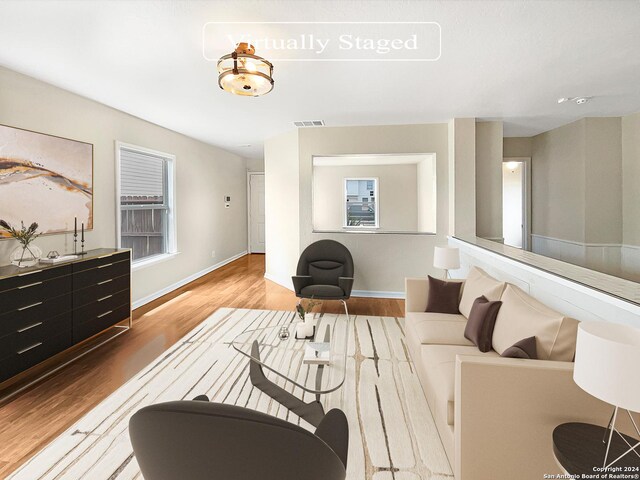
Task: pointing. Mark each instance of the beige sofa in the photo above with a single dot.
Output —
(496, 415)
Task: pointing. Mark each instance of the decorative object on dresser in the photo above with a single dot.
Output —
(49, 308)
(446, 258)
(25, 255)
(45, 176)
(606, 366)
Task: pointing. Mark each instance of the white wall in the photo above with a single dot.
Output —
(427, 195)
(631, 179)
(282, 218)
(255, 164)
(512, 221)
(203, 175)
(397, 200)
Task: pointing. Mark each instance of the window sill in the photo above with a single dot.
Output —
(148, 262)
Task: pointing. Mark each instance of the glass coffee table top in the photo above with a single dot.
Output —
(281, 358)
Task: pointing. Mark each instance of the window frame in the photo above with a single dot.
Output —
(376, 195)
(169, 204)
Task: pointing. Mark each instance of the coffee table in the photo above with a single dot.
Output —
(276, 364)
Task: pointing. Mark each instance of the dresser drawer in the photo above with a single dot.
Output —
(40, 311)
(101, 261)
(33, 354)
(35, 332)
(84, 330)
(100, 290)
(34, 277)
(101, 273)
(96, 309)
(30, 294)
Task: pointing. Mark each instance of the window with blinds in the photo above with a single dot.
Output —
(146, 210)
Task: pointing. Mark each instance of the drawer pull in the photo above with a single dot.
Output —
(105, 281)
(29, 273)
(24, 350)
(29, 327)
(105, 265)
(104, 298)
(104, 314)
(30, 285)
(30, 306)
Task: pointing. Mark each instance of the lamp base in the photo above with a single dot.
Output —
(611, 428)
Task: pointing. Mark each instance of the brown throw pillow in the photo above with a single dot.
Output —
(525, 348)
(482, 319)
(444, 297)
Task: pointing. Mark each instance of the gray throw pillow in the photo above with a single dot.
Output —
(481, 321)
(525, 348)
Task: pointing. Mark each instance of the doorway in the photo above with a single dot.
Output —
(515, 202)
(255, 190)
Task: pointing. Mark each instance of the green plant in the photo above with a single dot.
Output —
(25, 235)
(303, 309)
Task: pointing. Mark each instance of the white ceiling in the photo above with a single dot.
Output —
(505, 60)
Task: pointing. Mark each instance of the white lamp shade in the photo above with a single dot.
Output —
(446, 258)
(607, 360)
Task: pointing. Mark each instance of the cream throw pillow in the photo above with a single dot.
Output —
(523, 316)
(477, 284)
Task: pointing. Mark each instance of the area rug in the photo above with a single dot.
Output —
(392, 433)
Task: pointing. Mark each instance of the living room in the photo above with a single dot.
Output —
(321, 240)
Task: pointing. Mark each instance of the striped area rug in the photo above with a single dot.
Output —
(392, 433)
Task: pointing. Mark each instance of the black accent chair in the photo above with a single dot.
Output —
(325, 272)
(200, 440)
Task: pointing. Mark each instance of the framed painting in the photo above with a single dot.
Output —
(45, 179)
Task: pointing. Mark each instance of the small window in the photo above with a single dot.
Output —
(147, 221)
(361, 203)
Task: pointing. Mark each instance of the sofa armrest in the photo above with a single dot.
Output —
(300, 281)
(346, 284)
(416, 294)
(505, 413)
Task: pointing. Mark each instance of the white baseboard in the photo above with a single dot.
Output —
(288, 285)
(376, 294)
(184, 281)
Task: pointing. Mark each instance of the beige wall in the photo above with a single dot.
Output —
(462, 177)
(489, 155)
(282, 227)
(427, 195)
(382, 260)
(203, 175)
(558, 182)
(255, 164)
(577, 181)
(516, 147)
(397, 200)
(603, 180)
(631, 179)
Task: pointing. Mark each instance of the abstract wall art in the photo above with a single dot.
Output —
(45, 179)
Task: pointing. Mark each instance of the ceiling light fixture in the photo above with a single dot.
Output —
(244, 73)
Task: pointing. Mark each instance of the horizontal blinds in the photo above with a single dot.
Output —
(142, 175)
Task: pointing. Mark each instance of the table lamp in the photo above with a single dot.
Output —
(606, 366)
(446, 258)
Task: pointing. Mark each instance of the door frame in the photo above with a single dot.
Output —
(526, 200)
(249, 174)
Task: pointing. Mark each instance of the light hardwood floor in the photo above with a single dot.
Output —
(37, 415)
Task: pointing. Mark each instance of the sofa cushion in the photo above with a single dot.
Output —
(436, 328)
(481, 321)
(525, 348)
(443, 296)
(439, 365)
(523, 316)
(477, 284)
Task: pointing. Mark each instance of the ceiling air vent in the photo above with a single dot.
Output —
(310, 123)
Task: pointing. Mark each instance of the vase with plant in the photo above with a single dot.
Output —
(306, 328)
(26, 254)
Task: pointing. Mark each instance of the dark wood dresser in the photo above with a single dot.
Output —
(47, 309)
